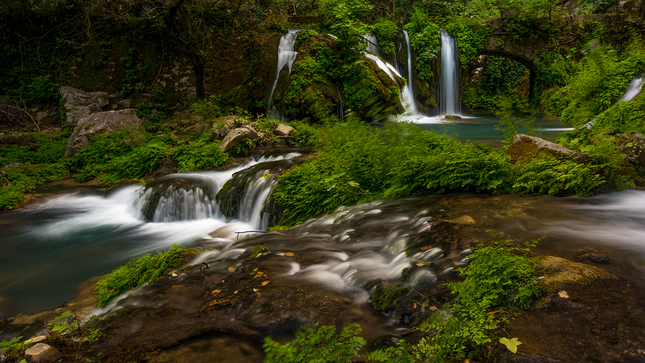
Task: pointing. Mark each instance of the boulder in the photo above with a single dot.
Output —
(224, 125)
(452, 117)
(79, 103)
(238, 136)
(561, 273)
(18, 139)
(283, 130)
(525, 147)
(41, 353)
(100, 123)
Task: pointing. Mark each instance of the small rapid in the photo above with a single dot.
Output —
(50, 247)
(286, 57)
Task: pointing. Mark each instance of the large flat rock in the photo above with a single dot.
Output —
(525, 147)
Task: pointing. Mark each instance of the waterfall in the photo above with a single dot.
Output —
(408, 90)
(194, 196)
(449, 101)
(372, 43)
(286, 57)
(633, 89)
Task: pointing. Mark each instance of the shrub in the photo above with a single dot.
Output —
(139, 271)
(200, 154)
(24, 178)
(316, 345)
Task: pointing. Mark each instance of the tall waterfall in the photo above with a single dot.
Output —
(286, 57)
(408, 90)
(450, 100)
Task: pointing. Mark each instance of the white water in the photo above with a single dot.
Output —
(181, 215)
(408, 90)
(372, 43)
(449, 100)
(633, 89)
(286, 57)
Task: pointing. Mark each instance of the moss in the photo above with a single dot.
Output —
(258, 250)
(385, 300)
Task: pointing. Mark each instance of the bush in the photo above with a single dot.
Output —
(119, 155)
(139, 271)
(201, 154)
(24, 178)
(316, 345)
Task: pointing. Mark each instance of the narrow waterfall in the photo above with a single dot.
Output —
(408, 90)
(286, 57)
(372, 43)
(633, 89)
(450, 100)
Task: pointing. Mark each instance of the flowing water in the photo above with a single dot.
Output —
(372, 43)
(450, 97)
(49, 248)
(286, 57)
(633, 89)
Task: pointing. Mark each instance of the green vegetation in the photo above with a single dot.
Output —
(119, 155)
(316, 344)
(425, 40)
(386, 32)
(201, 154)
(139, 271)
(499, 279)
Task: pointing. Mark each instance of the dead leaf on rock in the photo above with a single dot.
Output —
(563, 294)
(173, 274)
(255, 269)
(264, 283)
(215, 292)
(420, 264)
(259, 274)
(231, 269)
(425, 248)
(433, 308)
(289, 254)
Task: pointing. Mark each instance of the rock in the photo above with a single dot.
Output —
(464, 220)
(283, 130)
(42, 353)
(18, 139)
(238, 136)
(228, 123)
(451, 117)
(100, 123)
(37, 339)
(595, 257)
(525, 147)
(79, 103)
(14, 165)
(561, 272)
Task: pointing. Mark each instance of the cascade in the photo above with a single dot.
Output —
(408, 90)
(286, 57)
(372, 43)
(633, 89)
(449, 100)
(192, 196)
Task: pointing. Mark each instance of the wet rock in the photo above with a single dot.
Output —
(37, 339)
(79, 104)
(561, 272)
(595, 257)
(41, 353)
(19, 140)
(239, 135)
(176, 198)
(525, 147)
(283, 130)
(100, 123)
(463, 220)
(452, 117)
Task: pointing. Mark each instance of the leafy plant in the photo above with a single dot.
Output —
(201, 154)
(317, 345)
(139, 271)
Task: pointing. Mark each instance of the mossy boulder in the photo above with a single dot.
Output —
(525, 147)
